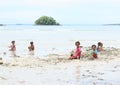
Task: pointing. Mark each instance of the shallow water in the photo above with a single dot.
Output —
(56, 39)
(86, 73)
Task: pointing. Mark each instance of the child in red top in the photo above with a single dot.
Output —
(77, 53)
(12, 46)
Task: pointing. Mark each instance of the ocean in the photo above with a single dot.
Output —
(57, 39)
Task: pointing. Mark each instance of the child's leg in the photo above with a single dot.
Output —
(73, 57)
(78, 57)
(94, 55)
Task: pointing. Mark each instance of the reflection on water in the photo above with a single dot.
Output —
(13, 54)
(31, 53)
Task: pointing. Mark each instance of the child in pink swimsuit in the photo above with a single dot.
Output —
(12, 46)
(77, 53)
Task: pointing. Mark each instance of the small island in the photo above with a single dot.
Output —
(45, 20)
(1, 25)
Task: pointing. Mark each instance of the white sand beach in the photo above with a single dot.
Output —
(57, 69)
(37, 38)
(50, 64)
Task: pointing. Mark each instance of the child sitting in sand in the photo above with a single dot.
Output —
(100, 46)
(12, 46)
(93, 52)
(31, 47)
(77, 53)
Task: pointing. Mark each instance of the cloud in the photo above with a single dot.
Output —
(59, 2)
(62, 10)
(53, 3)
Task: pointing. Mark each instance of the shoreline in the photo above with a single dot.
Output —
(107, 54)
(59, 70)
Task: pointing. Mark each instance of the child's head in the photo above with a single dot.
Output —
(77, 43)
(31, 43)
(93, 47)
(100, 44)
(13, 42)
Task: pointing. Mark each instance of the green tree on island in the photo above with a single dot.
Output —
(45, 20)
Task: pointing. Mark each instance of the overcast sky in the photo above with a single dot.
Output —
(64, 11)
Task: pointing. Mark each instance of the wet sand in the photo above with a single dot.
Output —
(57, 69)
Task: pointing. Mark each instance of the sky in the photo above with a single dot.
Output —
(63, 11)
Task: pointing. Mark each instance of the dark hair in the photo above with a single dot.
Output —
(12, 41)
(100, 44)
(77, 42)
(31, 42)
(93, 46)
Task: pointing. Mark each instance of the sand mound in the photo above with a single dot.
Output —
(53, 59)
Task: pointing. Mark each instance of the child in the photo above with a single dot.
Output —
(93, 52)
(100, 46)
(31, 47)
(77, 53)
(12, 46)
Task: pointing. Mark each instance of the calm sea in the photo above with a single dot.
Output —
(57, 39)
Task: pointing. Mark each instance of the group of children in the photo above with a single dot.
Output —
(93, 52)
(13, 47)
(74, 55)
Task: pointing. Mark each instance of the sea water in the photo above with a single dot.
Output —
(56, 39)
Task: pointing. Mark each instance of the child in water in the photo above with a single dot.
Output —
(12, 46)
(93, 52)
(77, 53)
(31, 47)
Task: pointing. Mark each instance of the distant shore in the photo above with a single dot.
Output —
(1, 24)
(63, 25)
